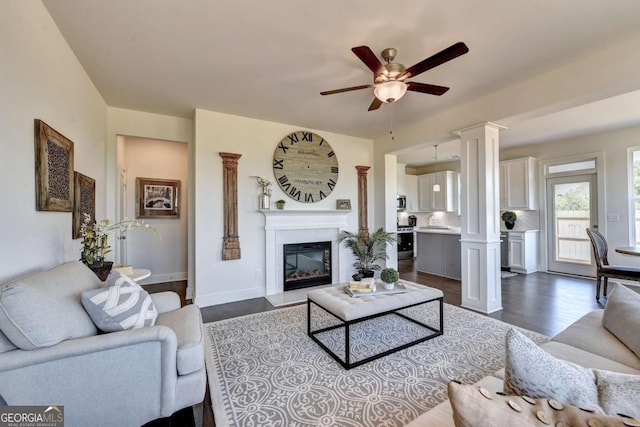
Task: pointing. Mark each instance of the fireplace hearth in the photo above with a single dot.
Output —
(306, 264)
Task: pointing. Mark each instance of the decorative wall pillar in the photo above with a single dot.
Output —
(363, 223)
(230, 241)
(480, 240)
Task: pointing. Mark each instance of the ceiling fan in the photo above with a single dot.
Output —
(389, 83)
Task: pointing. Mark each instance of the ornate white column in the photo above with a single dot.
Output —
(480, 239)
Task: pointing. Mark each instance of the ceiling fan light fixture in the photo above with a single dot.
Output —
(390, 91)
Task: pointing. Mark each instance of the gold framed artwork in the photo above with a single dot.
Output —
(343, 204)
(54, 169)
(84, 201)
(157, 198)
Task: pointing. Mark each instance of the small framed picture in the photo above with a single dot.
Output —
(157, 198)
(84, 201)
(343, 204)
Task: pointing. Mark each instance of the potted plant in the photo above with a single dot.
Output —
(367, 250)
(95, 241)
(280, 204)
(509, 218)
(389, 276)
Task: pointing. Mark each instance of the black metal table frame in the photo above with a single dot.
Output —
(347, 364)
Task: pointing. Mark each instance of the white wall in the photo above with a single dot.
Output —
(220, 281)
(165, 255)
(41, 78)
(614, 198)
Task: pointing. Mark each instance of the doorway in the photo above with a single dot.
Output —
(572, 202)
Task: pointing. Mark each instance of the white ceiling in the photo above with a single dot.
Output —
(270, 60)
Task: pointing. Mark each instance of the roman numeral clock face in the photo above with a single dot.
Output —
(305, 167)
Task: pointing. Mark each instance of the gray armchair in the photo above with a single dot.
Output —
(603, 268)
(52, 354)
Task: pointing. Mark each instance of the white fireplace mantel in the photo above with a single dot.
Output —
(300, 226)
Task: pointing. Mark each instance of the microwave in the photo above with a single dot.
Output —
(401, 202)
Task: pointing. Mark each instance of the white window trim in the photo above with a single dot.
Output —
(631, 198)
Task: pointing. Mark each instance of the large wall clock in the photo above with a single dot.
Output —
(305, 166)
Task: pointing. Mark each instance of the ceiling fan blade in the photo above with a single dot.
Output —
(346, 89)
(426, 88)
(375, 104)
(369, 58)
(439, 58)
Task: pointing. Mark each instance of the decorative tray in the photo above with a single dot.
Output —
(378, 289)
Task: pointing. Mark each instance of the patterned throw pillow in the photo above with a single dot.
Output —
(120, 305)
(478, 407)
(619, 393)
(531, 371)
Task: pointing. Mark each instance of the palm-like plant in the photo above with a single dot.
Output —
(368, 251)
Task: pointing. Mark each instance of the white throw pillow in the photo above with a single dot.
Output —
(621, 317)
(120, 305)
(533, 372)
(619, 393)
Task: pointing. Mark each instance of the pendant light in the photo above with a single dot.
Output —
(436, 186)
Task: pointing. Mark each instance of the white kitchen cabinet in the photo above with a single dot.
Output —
(411, 191)
(443, 200)
(523, 251)
(400, 179)
(518, 184)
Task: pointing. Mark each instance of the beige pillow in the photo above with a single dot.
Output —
(478, 407)
(622, 317)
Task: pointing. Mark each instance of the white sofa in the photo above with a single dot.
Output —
(52, 354)
(585, 342)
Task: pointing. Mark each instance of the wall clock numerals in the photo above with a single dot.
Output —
(305, 166)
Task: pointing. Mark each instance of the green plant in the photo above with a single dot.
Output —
(368, 250)
(509, 216)
(95, 237)
(389, 275)
(264, 184)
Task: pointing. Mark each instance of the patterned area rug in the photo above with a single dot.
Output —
(264, 370)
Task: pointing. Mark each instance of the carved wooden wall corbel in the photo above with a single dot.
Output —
(230, 241)
(363, 226)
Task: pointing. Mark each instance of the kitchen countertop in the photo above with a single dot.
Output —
(428, 230)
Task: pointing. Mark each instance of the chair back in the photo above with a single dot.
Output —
(599, 245)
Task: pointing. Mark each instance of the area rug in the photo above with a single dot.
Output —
(264, 370)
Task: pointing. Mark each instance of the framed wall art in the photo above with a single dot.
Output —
(54, 169)
(157, 198)
(84, 201)
(343, 204)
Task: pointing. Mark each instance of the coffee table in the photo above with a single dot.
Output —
(351, 310)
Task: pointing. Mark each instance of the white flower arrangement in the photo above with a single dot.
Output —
(95, 236)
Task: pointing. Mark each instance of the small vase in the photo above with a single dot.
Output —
(388, 286)
(509, 225)
(102, 270)
(280, 204)
(265, 202)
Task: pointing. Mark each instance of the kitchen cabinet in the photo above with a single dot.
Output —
(523, 251)
(444, 200)
(518, 184)
(439, 254)
(411, 191)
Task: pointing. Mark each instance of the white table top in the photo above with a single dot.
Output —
(140, 273)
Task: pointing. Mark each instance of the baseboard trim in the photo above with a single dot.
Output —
(225, 297)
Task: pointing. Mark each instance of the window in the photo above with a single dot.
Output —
(635, 195)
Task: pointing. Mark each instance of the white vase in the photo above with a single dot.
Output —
(265, 201)
(388, 286)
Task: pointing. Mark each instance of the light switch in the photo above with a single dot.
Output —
(613, 217)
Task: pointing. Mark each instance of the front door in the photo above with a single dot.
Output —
(572, 208)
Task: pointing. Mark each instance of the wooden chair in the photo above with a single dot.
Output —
(604, 269)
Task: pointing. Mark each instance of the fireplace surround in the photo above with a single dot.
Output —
(306, 264)
(300, 226)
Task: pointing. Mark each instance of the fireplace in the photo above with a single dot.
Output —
(306, 264)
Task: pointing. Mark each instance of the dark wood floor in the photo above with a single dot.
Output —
(541, 302)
